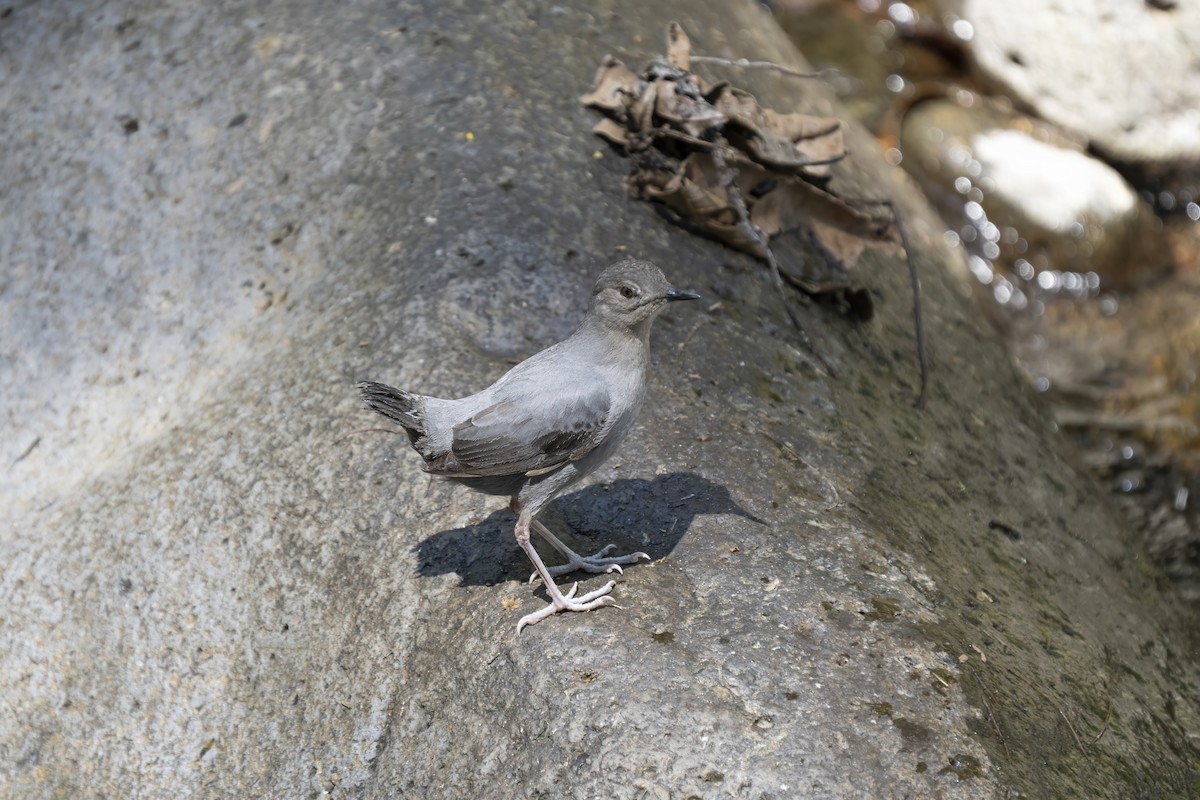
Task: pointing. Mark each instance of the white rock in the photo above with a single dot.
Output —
(1122, 73)
(1055, 186)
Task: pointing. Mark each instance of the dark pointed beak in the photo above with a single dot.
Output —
(675, 294)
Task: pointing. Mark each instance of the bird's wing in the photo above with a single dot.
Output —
(529, 435)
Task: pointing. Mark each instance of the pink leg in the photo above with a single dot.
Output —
(558, 601)
(599, 561)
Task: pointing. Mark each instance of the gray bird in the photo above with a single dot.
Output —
(548, 421)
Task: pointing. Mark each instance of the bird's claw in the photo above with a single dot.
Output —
(565, 568)
(568, 602)
(597, 562)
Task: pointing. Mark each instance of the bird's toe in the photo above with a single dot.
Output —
(560, 601)
(597, 562)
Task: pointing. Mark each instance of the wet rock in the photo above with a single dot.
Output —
(1121, 381)
(217, 584)
(1121, 72)
(1025, 192)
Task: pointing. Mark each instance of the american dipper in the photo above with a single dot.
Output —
(549, 421)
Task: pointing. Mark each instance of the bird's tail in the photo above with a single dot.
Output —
(401, 407)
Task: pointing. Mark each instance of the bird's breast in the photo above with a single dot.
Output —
(627, 392)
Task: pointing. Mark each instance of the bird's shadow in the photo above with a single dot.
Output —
(632, 513)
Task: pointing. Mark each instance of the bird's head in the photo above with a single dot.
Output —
(629, 294)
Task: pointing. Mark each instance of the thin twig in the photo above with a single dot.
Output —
(686, 138)
(702, 144)
(742, 63)
(1063, 714)
(729, 181)
(992, 717)
(25, 453)
(1104, 727)
(919, 328)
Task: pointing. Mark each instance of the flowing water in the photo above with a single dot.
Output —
(1104, 323)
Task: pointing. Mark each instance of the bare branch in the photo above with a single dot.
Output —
(729, 181)
(702, 144)
(1104, 728)
(1067, 720)
(992, 717)
(741, 63)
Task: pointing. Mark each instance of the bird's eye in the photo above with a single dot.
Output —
(628, 292)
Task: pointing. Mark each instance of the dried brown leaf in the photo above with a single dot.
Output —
(612, 87)
(840, 247)
(795, 202)
(783, 141)
(614, 132)
(692, 116)
(696, 194)
(806, 128)
(771, 153)
(641, 106)
(679, 47)
(800, 141)
(694, 191)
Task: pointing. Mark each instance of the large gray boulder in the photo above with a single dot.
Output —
(215, 585)
(1121, 72)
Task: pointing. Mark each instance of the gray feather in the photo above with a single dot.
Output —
(518, 436)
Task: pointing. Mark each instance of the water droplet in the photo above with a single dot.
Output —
(959, 156)
(902, 13)
(1130, 483)
(981, 269)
